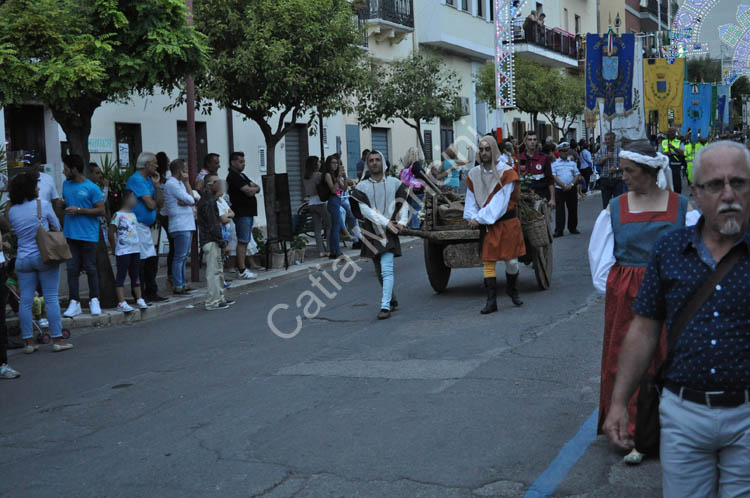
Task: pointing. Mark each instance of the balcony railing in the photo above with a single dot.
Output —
(553, 39)
(399, 12)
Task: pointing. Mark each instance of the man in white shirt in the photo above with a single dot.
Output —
(48, 190)
(179, 201)
(566, 176)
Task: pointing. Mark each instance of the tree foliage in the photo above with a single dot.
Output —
(73, 55)
(704, 69)
(556, 94)
(415, 89)
(273, 61)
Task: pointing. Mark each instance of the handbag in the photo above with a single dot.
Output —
(647, 427)
(324, 193)
(52, 244)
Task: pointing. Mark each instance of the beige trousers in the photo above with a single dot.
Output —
(214, 274)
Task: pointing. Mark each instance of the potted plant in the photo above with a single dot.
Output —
(117, 175)
(298, 245)
(258, 260)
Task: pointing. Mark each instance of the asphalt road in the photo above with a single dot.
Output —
(438, 401)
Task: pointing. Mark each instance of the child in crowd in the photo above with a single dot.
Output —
(123, 237)
(226, 215)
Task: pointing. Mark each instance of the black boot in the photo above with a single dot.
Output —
(491, 285)
(511, 288)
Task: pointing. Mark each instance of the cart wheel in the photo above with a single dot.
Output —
(45, 338)
(65, 334)
(437, 272)
(543, 266)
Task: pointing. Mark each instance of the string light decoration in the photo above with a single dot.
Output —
(505, 83)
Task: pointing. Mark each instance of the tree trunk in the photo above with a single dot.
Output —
(77, 128)
(269, 193)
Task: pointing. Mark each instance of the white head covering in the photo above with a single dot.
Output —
(660, 162)
(484, 181)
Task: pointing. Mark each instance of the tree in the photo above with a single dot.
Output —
(704, 69)
(276, 60)
(73, 55)
(415, 89)
(740, 89)
(530, 85)
(564, 99)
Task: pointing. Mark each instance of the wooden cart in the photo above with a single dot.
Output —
(449, 246)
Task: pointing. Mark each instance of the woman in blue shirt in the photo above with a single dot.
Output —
(451, 168)
(30, 268)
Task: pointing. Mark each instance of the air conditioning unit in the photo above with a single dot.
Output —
(463, 104)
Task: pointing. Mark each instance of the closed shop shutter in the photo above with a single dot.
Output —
(294, 167)
(380, 141)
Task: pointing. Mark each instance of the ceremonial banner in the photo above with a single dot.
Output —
(609, 74)
(723, 106)
(696, 109)
(632, 125)
(662, 87)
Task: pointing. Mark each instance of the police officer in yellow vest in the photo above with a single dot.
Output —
(691, 149)
(673, 148)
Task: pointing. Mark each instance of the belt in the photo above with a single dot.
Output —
(509, 215)
(711, 399)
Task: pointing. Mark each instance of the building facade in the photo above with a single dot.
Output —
(461, 32)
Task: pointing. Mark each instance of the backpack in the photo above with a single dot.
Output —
(323, 191)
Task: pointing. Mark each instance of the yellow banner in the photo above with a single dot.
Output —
(662, 90)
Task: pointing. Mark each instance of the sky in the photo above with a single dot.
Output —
(724, 12)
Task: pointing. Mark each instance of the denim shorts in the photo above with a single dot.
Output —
(244, 228)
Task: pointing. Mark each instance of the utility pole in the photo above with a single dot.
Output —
(195, 271)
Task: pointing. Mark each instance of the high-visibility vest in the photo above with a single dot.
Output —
(690, 151)
(676, 143)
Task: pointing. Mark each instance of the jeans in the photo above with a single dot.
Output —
(321, 222)
(128, 264)
(182, 241)
(84, 256)
(384, 262)
(565, 200)
(244, 227)
(415, 202)
(3, 329)
(703, 449)
(334, 204)
(30, 272)
(214, 274)
(610, 190)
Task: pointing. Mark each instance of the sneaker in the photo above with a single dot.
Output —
(74, 309)
(141, 304)
(247, 275)
(61, 346)
(384, 314)
(229, 302)
(125, 307)
(30, 348)
(227, 285)
(95, 307)
(8, 373)
(220, 306)
(43, 323)
(180, 292)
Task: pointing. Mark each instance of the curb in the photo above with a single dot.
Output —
(196, 299)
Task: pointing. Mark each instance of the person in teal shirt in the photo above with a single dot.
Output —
(451, 168)
(84, 204)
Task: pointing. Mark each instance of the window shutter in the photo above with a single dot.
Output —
(428, 146)
(262, 158)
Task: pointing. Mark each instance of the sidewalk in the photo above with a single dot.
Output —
(195, 299)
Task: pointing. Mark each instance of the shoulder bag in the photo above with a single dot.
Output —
(323, 191)
(647, 427)
(52, 244)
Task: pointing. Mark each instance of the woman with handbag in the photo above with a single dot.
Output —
(618, 255)
(31, 219)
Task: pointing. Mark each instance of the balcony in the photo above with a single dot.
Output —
(553, 47)
(386, 20)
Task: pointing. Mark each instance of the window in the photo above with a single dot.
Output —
(450, 2)
(428, 146)
(539, 8)
(128, 138)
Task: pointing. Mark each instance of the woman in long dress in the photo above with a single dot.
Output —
(618, 254)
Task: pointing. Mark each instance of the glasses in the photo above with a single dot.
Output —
(739, 185)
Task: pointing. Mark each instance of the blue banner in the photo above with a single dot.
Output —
(696, 109)
(723, 105)
(609, 77)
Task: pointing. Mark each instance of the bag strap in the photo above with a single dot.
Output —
(700, 296)
(39, 211)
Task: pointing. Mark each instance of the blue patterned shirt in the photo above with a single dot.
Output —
(713, 352)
